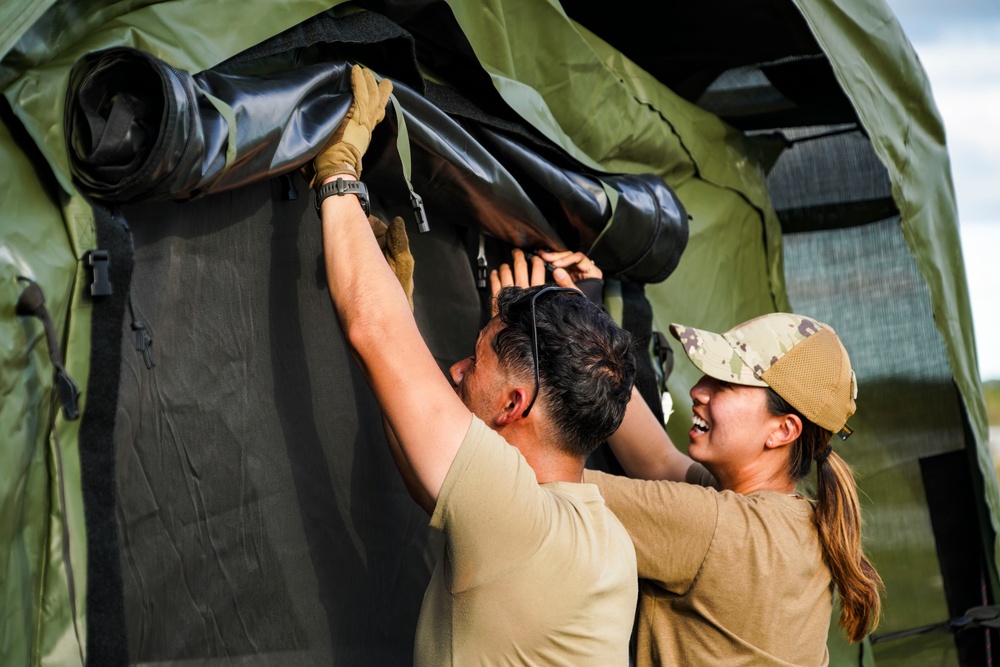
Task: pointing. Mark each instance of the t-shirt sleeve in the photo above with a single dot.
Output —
(698, 474)
(672, 525)
(490, 510)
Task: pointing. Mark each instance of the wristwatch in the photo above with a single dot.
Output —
(343, 187)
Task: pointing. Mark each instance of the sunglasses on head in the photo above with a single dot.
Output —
(534, 333)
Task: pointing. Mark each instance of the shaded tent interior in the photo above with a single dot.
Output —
(256, 516)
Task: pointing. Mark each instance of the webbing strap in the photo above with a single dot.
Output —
(403, 148)
(229, 116)
(31, 303)
(613, 300)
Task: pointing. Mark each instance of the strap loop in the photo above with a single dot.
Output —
(403, 147)
(31, 303)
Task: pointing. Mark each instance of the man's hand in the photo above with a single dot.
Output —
(504, 276)
(342, 153)
(395, 245)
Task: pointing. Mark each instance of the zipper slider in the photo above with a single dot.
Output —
(143, 343)
(481, 263)
(143, 339)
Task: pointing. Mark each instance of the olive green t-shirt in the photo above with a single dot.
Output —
(531, 575)
(725, 579)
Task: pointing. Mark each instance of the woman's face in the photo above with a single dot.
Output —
(730, 426)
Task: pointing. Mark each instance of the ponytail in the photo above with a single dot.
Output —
(838, 520)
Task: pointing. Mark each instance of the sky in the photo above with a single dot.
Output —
(958, 44)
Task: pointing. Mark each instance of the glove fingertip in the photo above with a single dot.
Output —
(384, 90)
(357, 76)
(397, 232)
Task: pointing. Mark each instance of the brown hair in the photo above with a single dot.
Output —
(838, 521)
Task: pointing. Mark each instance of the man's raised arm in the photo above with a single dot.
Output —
(419, 404)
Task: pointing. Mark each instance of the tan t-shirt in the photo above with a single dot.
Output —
(725, 579)
(531, 575)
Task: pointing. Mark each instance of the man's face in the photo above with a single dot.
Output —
(478, 379)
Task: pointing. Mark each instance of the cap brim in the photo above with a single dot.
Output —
(714, 356)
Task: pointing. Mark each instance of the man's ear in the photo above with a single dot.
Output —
(788, 431)
(516, 399)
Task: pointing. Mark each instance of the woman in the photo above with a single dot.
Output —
(736, 566)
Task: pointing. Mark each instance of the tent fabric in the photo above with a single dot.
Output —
(42, 516)
(45, 621)
(879, 70)
(103, 577)
(708, 101)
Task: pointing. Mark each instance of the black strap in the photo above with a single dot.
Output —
(31, 303)
(664, 355)
(107, 643)
(986, 616)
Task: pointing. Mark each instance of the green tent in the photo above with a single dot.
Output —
(176, 521)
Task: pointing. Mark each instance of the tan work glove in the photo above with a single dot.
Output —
(342, 153)
(395, 245)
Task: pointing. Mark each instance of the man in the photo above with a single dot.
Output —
(536, 570)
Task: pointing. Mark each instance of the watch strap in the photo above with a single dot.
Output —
(343, 187)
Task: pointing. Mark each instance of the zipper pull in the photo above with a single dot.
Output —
(143, 339)
(143, 343)
(31, 303)
(481, 263)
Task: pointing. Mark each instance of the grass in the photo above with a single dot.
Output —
(991, 389)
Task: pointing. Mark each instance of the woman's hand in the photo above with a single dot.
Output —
(518, 276)
(575, 265)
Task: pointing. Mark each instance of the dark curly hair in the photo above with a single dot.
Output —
(586, 361)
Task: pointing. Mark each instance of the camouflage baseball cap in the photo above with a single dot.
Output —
(801, 359)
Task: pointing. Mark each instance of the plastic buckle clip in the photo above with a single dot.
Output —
(418, 210)
(98, 261)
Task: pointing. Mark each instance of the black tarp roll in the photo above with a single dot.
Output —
(141, 130)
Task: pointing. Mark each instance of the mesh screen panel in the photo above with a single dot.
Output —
(864, 283)
(743, 91)
(829, 177)
(262, 521)
(790, 91)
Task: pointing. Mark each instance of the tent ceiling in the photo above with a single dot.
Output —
(699, 42)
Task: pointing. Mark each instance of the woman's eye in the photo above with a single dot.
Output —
(724, 384)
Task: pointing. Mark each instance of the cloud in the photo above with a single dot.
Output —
(958, 43)
(927, 19)
(961, 64)
(982, 271)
